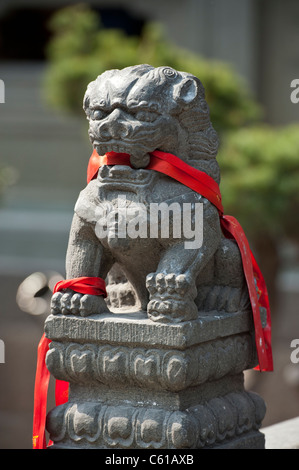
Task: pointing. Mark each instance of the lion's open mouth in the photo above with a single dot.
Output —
(139, 154)
(118, 147)
(123, 174)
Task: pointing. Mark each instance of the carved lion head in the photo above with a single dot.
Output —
(141, 108)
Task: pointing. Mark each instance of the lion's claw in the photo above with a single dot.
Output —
(70, 302)
(171, 297)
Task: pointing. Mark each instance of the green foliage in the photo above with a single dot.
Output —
(75, 31)
(81, 49)
(260, 179)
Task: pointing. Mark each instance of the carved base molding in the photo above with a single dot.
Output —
(139, 384)
(166, 369)
(215, 423)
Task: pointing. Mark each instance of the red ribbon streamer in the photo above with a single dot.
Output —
(42, 378)
(84, 285)
(257, 291)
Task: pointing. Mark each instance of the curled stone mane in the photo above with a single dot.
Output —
(203, 140)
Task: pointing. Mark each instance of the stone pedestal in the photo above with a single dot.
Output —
(138, 384)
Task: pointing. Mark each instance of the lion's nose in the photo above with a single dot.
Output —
(115, 126)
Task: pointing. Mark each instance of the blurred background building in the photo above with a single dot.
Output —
(47, 155)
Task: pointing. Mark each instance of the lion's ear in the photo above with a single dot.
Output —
(186, 91)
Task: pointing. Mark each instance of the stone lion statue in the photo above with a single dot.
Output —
(136, 111)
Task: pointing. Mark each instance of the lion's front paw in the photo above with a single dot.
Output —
(70, 302)
(171, 297)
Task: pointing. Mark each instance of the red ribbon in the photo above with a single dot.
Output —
(84, 285)
(42, 378)
(167, 164)
(257, 291)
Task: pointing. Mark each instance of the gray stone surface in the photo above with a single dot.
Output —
(165, 368)
(122, 350)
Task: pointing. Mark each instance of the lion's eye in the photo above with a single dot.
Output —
(98, 114)
(146, 116)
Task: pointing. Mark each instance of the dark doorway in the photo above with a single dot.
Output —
(24, 32)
